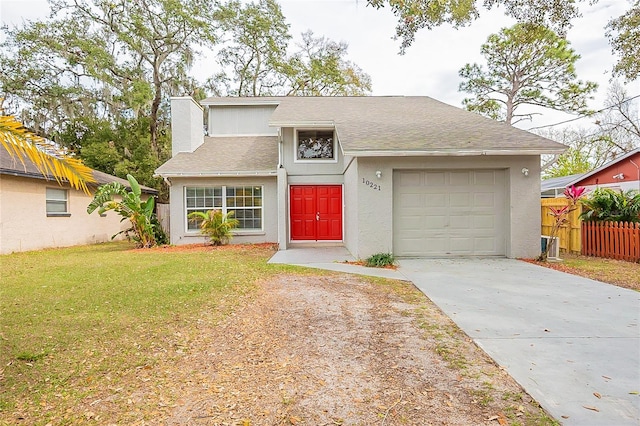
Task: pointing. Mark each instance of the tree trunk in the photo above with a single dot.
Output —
(155, 106)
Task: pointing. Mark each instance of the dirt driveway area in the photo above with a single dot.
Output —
(339, 349)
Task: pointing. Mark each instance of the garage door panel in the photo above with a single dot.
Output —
(461, 178)
(483, 222)
(411, 223)
(411, 179)
(462, 199)
(434, 200)
(433, 223)
(487, 177)
(412, 200)
(461, 245)
(484, 199)
(484, 245)
(459, 222)
(450, 212)
(433, 178)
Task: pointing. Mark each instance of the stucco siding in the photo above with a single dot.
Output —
(351, 209)
(269, 233)
(375, 203)
(187, 131)
(24, 224)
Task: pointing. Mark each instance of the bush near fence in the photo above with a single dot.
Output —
(568, 234)
(616, 240)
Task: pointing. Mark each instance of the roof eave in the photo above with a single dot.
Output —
(253, 101)
(451, 152)
(94, 185)
(258, 173)
(316, 123)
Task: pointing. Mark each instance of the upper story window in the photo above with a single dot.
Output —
(315, 145)
(57, 202)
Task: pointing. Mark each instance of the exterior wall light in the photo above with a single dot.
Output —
(525, 171)
(378, 174)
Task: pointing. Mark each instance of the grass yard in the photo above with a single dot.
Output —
(612, 271)
(105, 334)
(77, 319)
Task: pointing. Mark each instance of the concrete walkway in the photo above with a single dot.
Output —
(564, 338)
(332, 259)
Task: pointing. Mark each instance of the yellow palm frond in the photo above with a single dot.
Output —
(21, 143)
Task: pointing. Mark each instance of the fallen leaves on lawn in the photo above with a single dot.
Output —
(315, 350)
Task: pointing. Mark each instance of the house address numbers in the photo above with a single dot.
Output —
(372, 185)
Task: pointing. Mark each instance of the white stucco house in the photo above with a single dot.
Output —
(37, 212)
(407, 175)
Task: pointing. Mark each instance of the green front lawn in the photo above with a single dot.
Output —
(77, 320)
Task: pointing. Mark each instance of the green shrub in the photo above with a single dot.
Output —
(215, 225)
(380, 260)
(605, 204)
(130, 206)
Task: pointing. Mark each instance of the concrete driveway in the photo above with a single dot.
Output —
(565, 339)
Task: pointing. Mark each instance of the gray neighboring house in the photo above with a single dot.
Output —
(407, 175)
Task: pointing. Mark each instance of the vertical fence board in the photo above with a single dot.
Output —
(616, 240)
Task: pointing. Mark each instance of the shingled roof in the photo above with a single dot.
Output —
(401, 125)
(12, 166)
(220, 156)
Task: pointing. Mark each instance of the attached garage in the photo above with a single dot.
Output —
(442, 213)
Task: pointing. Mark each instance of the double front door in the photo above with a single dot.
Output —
(316, 212)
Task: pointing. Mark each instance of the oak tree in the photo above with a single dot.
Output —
(255, 58)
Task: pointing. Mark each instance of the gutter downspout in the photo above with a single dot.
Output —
(280, 148)
(637, 167)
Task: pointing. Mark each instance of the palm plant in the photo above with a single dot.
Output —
(605, 204)
(22, 144)
(130, 206)
(216, 225)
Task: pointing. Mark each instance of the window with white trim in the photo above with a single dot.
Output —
(244, 201)
(57, 201)
(315, 145)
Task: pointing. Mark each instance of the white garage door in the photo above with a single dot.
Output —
(449, 212)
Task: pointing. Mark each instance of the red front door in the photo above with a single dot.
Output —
(316, 212)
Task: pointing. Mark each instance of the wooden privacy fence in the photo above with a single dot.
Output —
(617, 240)
(162, 211)
(569, 234)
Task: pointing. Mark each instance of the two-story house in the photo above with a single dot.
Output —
(407, 175)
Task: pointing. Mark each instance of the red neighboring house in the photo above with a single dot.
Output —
(623, 173)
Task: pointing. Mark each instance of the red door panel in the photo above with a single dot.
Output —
(316, 212)
(303, 212)
(330, 209)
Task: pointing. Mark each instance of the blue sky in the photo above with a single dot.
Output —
(430, 66)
